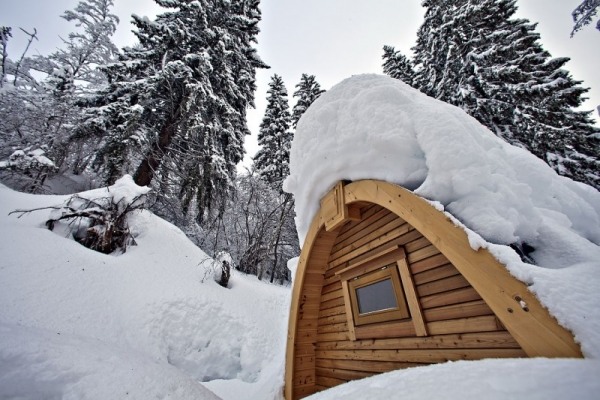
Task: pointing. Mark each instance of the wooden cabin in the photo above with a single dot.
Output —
(386, 281)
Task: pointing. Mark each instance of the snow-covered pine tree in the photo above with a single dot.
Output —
(397, 65)
(177, 101)
(272, 165)
(42, 114)
(432, 50)
(274, 136)
(308, 90)
(475, 55)
(234, 61)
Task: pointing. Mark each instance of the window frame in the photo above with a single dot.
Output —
(382, 323)
(401, 310)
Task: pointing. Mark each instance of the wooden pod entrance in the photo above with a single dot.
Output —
(386, 281)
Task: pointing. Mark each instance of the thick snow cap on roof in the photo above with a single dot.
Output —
(376, 127)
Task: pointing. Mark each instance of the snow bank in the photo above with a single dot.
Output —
(530, 379)
(150, 323)
(376, 127)
(42, 364)
(124, 192)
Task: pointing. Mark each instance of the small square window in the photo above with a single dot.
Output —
(378, 297)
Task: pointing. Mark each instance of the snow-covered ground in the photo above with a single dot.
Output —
(150, 323)
(531, 379)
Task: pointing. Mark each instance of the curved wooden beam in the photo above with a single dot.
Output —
(529, 322)
(306, 293)
(531, 325)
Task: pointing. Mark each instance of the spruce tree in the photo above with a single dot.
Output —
(274, 136)
(397, 65)
(308, 90)
(475, 55)
(271, 163)
(432, 49)
(177, 101)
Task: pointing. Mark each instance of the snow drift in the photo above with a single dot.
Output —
(531, 379)
(149, 323)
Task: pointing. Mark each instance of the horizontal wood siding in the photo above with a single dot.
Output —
(459, 323)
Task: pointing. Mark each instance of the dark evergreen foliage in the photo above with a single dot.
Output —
(308, 90)
(397, 65)
(176, 104)
(476, 55)
(278, 240)
(275, 138)
(584, 13)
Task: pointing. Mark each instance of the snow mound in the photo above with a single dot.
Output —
(150, 323)
(42, 364)
(376, 127)
(530, 379)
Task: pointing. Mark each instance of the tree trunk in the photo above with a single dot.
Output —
(145, 172)
(225, 274)
(278, 235)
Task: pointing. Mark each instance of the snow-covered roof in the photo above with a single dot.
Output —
(376, 127)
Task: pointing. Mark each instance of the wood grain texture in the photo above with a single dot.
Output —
(466, 298)
(535, 329)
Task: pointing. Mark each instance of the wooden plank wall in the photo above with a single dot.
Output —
(459, 323)
(307, 319)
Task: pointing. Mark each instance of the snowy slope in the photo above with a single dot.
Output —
(376, 127)
(151, 323)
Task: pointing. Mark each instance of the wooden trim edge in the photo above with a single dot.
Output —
(298, 286)
(538, 332)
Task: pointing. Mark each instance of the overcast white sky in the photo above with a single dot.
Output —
(332, 39)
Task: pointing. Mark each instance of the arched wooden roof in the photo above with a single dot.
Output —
(519, 311)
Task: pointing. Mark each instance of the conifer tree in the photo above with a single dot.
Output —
(308, 90)
(475, 55)
(397, 65)
(177, 101)
(272, 165)
(275, 137)
(432, 49)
